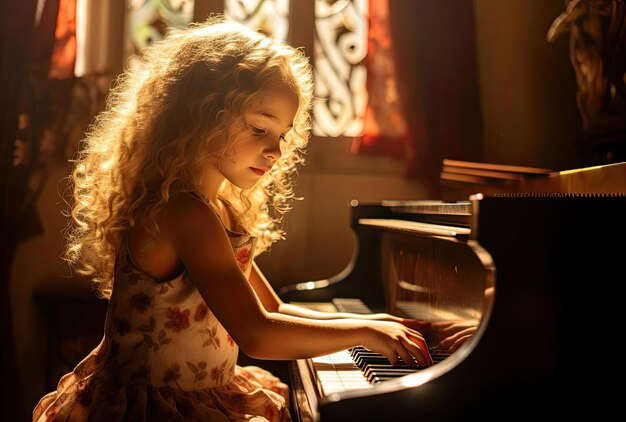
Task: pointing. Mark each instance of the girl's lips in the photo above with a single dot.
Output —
(257, 171)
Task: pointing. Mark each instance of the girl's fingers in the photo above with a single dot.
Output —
(417, 337)
(447, 342)
(420, 343)
(392, 357)
(415, 324)
(423, 359)
(459, 342)
(454, 341)
(406, 356)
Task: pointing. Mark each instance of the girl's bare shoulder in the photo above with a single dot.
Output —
(154, 252)
(187, 213)
(187, 228)
(192, 228)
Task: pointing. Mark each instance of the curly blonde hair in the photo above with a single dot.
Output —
(154, 137)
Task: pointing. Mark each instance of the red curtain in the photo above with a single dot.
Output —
(430, 50)
(384, 128)
(64, 53)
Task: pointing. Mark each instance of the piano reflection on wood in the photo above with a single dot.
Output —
(524, 280)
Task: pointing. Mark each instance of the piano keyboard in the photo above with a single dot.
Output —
(338, 372)
(358, 368)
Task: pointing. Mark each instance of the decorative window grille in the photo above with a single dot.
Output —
(270, 17)
(339, 51)
(149, 20)
(339, 48)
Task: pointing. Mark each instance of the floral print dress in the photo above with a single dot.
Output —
(165, 357)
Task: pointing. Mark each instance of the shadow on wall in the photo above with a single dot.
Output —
(38, 275)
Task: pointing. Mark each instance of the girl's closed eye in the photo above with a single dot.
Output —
(257, 131)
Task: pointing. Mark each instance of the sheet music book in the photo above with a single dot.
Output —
(486, 173)
(463, 178)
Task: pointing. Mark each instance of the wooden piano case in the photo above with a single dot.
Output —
(544, 345)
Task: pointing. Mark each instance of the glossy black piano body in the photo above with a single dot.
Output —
(542, 346)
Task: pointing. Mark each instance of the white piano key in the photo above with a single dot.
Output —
(337, 372)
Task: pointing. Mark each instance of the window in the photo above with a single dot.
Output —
(335, 34)
(339, 53)
(148, 21)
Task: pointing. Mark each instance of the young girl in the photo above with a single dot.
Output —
(180, 183)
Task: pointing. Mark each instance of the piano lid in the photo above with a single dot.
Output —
(609, 178)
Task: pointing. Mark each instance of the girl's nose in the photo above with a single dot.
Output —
(272, 152)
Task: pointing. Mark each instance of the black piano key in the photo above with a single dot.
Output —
(383, 361)
(359, 352)
(434, 353)
(387, 375)
(365, 353)
(437, 355)
(368, 356)
(361, 362)
(364, 357)
(376, 369)
(401, 366)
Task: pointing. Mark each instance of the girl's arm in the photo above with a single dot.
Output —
(199, 240)
(273, 303)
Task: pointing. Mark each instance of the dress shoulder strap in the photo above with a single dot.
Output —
(215, 209)
(208, 202)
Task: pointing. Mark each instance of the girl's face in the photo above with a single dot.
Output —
(257, 151)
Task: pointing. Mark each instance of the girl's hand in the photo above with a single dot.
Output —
(414, 324)
(394, 340)
(455, 341)
(452, 334)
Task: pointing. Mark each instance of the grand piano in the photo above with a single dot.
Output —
(520, 292)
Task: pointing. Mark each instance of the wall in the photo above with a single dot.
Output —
(527, 84)
(37, 267)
